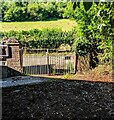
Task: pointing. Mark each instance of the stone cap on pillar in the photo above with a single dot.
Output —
(11, 41)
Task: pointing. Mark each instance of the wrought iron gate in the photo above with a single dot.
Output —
(47, 61)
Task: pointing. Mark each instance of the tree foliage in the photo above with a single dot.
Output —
(32, 11)
(96, 25)
(95, 31)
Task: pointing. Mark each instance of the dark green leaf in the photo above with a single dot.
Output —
(87, 5)
(96, 3)
(74, 6)
(78, 4)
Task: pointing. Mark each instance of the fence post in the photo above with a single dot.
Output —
(21, 54)
(75, 63)
(47, 56)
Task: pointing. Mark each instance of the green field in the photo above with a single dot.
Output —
(64, 24)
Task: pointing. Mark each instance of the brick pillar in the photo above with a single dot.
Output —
(14, 59)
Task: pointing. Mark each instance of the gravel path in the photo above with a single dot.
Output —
(20, 80)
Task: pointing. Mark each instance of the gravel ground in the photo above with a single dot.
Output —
(20, 80)
(59, 100)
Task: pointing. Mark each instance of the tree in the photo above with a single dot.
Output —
(69, 12)
(95, 24)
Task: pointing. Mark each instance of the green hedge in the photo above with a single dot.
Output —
(46, 38)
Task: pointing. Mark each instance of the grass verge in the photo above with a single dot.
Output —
(64, 24)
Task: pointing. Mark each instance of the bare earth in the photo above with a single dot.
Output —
(59, 100)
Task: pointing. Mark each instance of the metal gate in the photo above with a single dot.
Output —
(47, 61)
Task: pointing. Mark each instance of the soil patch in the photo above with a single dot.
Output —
(59, 100)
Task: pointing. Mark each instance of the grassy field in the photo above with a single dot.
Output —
(64, 24)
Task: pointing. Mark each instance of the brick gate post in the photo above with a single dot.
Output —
(14, 59)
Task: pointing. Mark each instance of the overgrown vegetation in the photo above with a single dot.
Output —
(95, 33)
(46, 38)
(93, 36)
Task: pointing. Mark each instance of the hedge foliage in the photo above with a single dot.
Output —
(46, 38)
